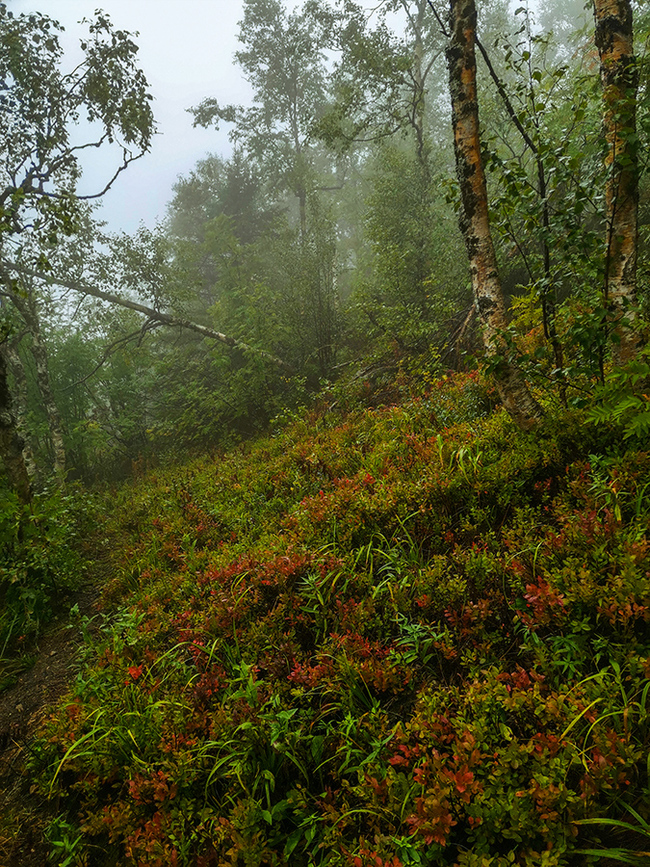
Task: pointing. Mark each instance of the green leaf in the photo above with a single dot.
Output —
(292, 841)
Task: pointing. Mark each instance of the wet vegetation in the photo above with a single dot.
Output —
(371, 637)
(371, 527)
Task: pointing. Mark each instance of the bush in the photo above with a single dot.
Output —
(369, 640)
(40, 561)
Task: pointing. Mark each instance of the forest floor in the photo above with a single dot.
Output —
(23, 708)
(430, 641)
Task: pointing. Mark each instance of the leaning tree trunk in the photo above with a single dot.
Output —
(11, 443)
(619, 76)
(474, 217)
(150, 312)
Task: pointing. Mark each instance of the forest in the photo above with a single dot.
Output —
(325, 504)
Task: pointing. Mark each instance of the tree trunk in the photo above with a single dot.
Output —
(17, 368)
(419, 77)
(302, 210)
(619, 76)
(548, 293)
(39, 352)
(11, 443)
(474, 218)
(25, 303)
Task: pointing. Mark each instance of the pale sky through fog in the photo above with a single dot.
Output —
(186, 52)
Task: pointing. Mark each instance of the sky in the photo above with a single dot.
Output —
(186, 53)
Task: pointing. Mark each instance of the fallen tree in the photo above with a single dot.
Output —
(154, 315)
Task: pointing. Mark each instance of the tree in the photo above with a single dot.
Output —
(383, 82)
(151, 313)
(22, 294)
(285, 66)
(416, 279)
(542, 194)
(284, 63)
(551, 189)
(387, 108)
(474, 214)
(11, 443)
(41, 163)
(42, 104)
(614, 30)
(216, 187)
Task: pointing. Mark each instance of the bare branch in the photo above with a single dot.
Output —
(441, 24)
(504, 96)
(127, 162)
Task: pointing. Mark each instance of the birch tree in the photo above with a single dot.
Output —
(41, 161)
(23, 296)
(614, 30)
(11, 442)
(474, 215)
(282, 61)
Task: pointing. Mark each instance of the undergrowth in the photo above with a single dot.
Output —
(409, 635)
(41, 562)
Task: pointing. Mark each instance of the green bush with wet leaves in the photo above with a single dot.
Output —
(40, 562)
(371, 639)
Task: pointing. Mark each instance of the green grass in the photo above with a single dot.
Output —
(366, 640)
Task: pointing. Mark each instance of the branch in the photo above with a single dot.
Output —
(157, 315)
(504, 96)
(441, 24)
(112, 347)
(127, 161)
(89, 144)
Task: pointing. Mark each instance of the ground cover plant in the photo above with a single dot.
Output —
(41, 565)
(404, 635)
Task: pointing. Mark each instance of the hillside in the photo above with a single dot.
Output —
(410, 634)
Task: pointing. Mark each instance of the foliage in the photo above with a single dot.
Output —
(622, 400)
(216, 186)
(332, 261)
(285, 67)
(40, 563)
(405, 635)
(41, 105)
(396, 630)
(416, 280)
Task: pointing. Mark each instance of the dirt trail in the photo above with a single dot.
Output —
(22, 709)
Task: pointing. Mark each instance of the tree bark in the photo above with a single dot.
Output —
(11, 443)
(20, 404)
(474, 215)
(614, 33)
(39, 352)
(548, 294)
(27, 308)
(151, 313)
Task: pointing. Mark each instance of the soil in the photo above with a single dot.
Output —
(23, 707)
